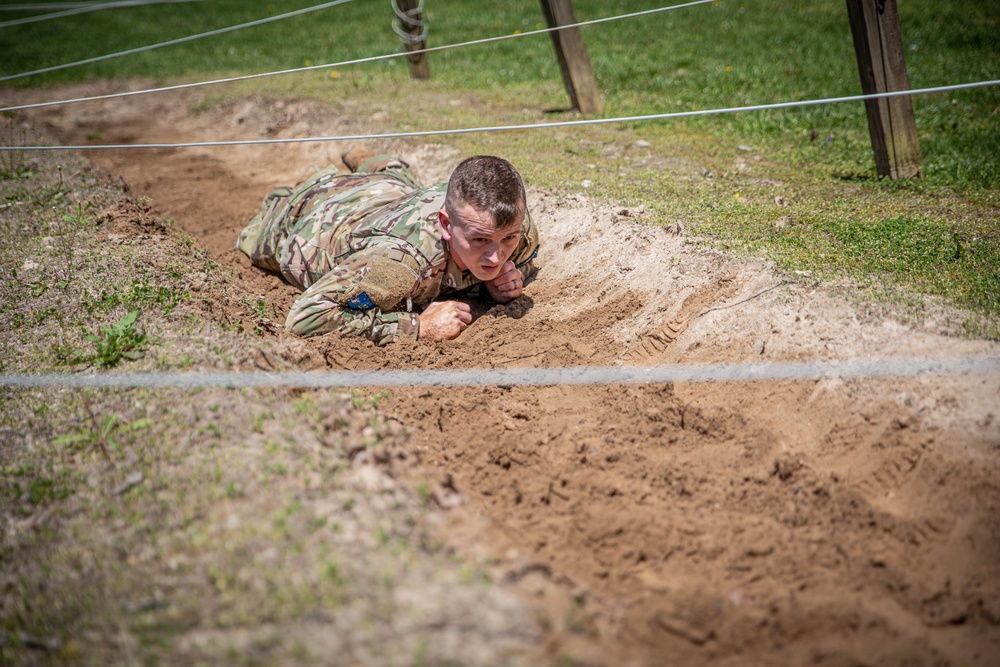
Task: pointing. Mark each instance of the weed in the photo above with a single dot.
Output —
(39, 490)
(119, 341)
(12, 162)
(304, 404)
(258, 426)
(100, 432)
(361, 400)
(76, 216)
(423, 490)
(138, 295)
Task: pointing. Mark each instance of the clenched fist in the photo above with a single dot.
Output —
(444, 320)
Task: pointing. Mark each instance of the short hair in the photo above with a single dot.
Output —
(490, 185)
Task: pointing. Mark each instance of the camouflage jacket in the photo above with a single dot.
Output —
(367, 250)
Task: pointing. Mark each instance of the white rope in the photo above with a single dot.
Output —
(79, 8)
(579, 375)
(359, 61)
(179, 40)
(537, 126)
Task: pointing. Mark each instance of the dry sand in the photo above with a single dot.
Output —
(831, 522)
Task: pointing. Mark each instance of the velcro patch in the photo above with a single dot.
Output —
(388, 282)
(360, 302)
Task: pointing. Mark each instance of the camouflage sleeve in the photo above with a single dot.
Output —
(527, 249)
(359, 298)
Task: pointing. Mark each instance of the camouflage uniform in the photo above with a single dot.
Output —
(366, 247)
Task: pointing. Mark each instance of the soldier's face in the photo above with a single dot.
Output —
(475, 245)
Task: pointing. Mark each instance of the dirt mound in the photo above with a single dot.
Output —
(831, 522)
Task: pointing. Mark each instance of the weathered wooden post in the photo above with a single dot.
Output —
(409, 24)
(577, 74)
(878, 44)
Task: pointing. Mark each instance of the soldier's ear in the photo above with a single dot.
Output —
(445, 222)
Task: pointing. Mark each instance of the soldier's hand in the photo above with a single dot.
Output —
(508, 285)
(444, 320)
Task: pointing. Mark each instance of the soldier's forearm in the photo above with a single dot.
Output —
(314, 319)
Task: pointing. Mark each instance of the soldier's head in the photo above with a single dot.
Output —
(483, 214)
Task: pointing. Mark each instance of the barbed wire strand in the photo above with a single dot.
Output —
(409, 18)
(83, 8)
(535, 126)
(359, 61)
(55, 15)
(40, 6)
(179, 40)
(577, 375)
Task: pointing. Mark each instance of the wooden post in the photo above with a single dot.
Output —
(878, 44)
(412, 30)
(578, 76)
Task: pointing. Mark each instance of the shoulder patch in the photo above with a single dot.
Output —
(360, 302)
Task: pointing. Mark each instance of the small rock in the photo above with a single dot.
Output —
(141, 606)
(642, 143)
(369, 478)
(745, 149)
(706, 173)
(134, 479)
(30, 265)
(587, 183)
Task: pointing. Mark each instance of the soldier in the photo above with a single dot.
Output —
(370, 246)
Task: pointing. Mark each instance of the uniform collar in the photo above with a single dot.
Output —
(455, 277)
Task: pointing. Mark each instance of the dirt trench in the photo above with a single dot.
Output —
(828, 522)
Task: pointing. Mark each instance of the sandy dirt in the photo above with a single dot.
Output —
(833, 522)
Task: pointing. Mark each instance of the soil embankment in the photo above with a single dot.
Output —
(827, 522)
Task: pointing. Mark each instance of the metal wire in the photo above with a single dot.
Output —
(37, 6)
(537, 126)
(359, 61)
(409, 17)
(179, 40)
(578, 375)
(78, 8)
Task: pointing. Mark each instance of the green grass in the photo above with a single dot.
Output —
(724, 54)
(730, 53)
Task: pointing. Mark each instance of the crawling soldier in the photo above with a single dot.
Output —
(373, 248)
